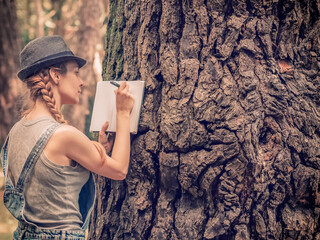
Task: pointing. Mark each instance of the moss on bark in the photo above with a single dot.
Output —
(113, 61)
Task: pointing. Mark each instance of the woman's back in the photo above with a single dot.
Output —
(51, 190)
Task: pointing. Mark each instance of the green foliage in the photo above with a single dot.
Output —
(113, 61)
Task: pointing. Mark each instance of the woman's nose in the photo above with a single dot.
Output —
(81, 82)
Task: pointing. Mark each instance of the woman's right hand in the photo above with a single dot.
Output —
(124, 99)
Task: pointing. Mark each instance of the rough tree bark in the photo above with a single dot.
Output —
(10, 86)
(229, 142)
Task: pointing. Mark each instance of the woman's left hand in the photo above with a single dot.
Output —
(106, 139)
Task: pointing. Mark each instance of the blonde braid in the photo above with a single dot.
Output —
(40, 86)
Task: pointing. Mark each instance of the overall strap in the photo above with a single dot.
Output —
(34, 155)
(3, 157)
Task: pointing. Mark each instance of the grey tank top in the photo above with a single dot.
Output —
(51, 191)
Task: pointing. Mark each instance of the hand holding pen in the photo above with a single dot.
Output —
(124, 99)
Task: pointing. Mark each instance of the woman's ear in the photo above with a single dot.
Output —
(55, 75)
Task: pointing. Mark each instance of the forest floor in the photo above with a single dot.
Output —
(7, 222)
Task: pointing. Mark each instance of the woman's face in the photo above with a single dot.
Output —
(70, 84)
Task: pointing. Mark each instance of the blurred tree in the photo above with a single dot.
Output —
(58, 17)
(40, 18)
(10, 85)
(229, 140)
(89, 47)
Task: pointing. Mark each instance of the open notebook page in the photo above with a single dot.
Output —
(105, 105)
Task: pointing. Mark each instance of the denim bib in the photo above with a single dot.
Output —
(15, 202)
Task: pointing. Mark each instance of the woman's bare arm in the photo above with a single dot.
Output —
(68, 143)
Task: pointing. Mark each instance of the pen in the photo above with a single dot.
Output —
(115, 83)
(107, 134)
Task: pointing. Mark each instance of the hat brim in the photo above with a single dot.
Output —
(23, 74)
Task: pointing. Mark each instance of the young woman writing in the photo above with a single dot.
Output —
(47, 163)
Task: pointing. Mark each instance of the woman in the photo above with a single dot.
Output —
(47, 163)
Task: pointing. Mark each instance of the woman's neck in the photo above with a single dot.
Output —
(39, 109)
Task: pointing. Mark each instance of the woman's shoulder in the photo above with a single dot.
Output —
(66, 143)
(65, 128)
(68, 132)
(67, 138)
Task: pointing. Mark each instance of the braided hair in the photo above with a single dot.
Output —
(39, 85)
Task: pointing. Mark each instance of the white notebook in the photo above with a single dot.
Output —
(104, 107)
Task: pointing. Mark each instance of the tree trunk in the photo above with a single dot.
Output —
(89, 47)
(40, 19)
(229, 139)
(10, 85)
(58, 18)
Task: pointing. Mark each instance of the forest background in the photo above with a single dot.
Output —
(82, 24)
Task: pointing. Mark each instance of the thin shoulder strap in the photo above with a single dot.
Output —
(34, 155)
(4, 160)
(3, 157)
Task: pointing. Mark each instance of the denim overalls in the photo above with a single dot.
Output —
(14, 197)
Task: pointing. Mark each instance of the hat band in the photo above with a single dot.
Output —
(57, 55)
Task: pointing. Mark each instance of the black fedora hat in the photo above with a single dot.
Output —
(44, 52)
